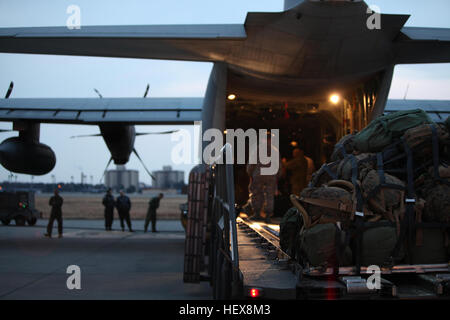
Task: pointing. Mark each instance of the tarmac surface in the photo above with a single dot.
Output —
(113, 265)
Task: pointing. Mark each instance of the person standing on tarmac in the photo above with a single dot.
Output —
(151, 213)
(108, 203)
(56, 203)
(123, 205)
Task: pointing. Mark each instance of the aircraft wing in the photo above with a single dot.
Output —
(423, 45)
(171, 42)
(98, 111)
(438, 110)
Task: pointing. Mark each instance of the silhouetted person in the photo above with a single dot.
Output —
(298, 167)
(56, 203)
(108, 203)
(123, 206)
(262, 188)
(151, 213)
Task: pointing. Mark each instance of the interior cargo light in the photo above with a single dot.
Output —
(334, 98)
(232, 97)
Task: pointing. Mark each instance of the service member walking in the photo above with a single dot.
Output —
(108, 203)
(56, 203)
(151, 212)
(123, 205)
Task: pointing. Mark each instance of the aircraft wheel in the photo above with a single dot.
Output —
(32, 221)
(6, 222)
(20, 221)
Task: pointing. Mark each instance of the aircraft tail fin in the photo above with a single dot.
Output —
(289, 4)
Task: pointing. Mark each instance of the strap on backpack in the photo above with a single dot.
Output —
(408, 223)
(330, 173)
(358, 214)
(435, 143)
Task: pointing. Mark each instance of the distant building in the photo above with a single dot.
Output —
(121, 178)
(168, 178)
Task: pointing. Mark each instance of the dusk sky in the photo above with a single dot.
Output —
(62, 76)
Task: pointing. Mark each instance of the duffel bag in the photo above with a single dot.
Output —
(433, 248)
(378, 245)
(385, 129)
(320, 246)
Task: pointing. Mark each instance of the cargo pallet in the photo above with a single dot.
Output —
(242, 259)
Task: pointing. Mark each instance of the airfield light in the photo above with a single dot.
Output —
(232, 97)
(334, 98)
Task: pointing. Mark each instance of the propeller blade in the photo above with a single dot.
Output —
(147, 133)
(99, 94)
(146, 91)
(86, 136)
(104, 172)
(10, 89)
(143, 164)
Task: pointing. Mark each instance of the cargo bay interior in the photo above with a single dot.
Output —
(315, 127)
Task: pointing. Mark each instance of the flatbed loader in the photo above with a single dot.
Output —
(242, 259)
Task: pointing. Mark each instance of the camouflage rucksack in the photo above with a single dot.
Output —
(383, 199)
(420, 135)
(326, 173)
(443, 170)
(345, 167)
(437, 205)
(324, 245)
(343, 147)
(382, 131)
(327, 204)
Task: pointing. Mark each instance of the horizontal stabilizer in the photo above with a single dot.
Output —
(422, 45)
(106, 110)
(170, 42)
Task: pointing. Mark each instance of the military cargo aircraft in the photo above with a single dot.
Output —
(315, 70)
(291, 61)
